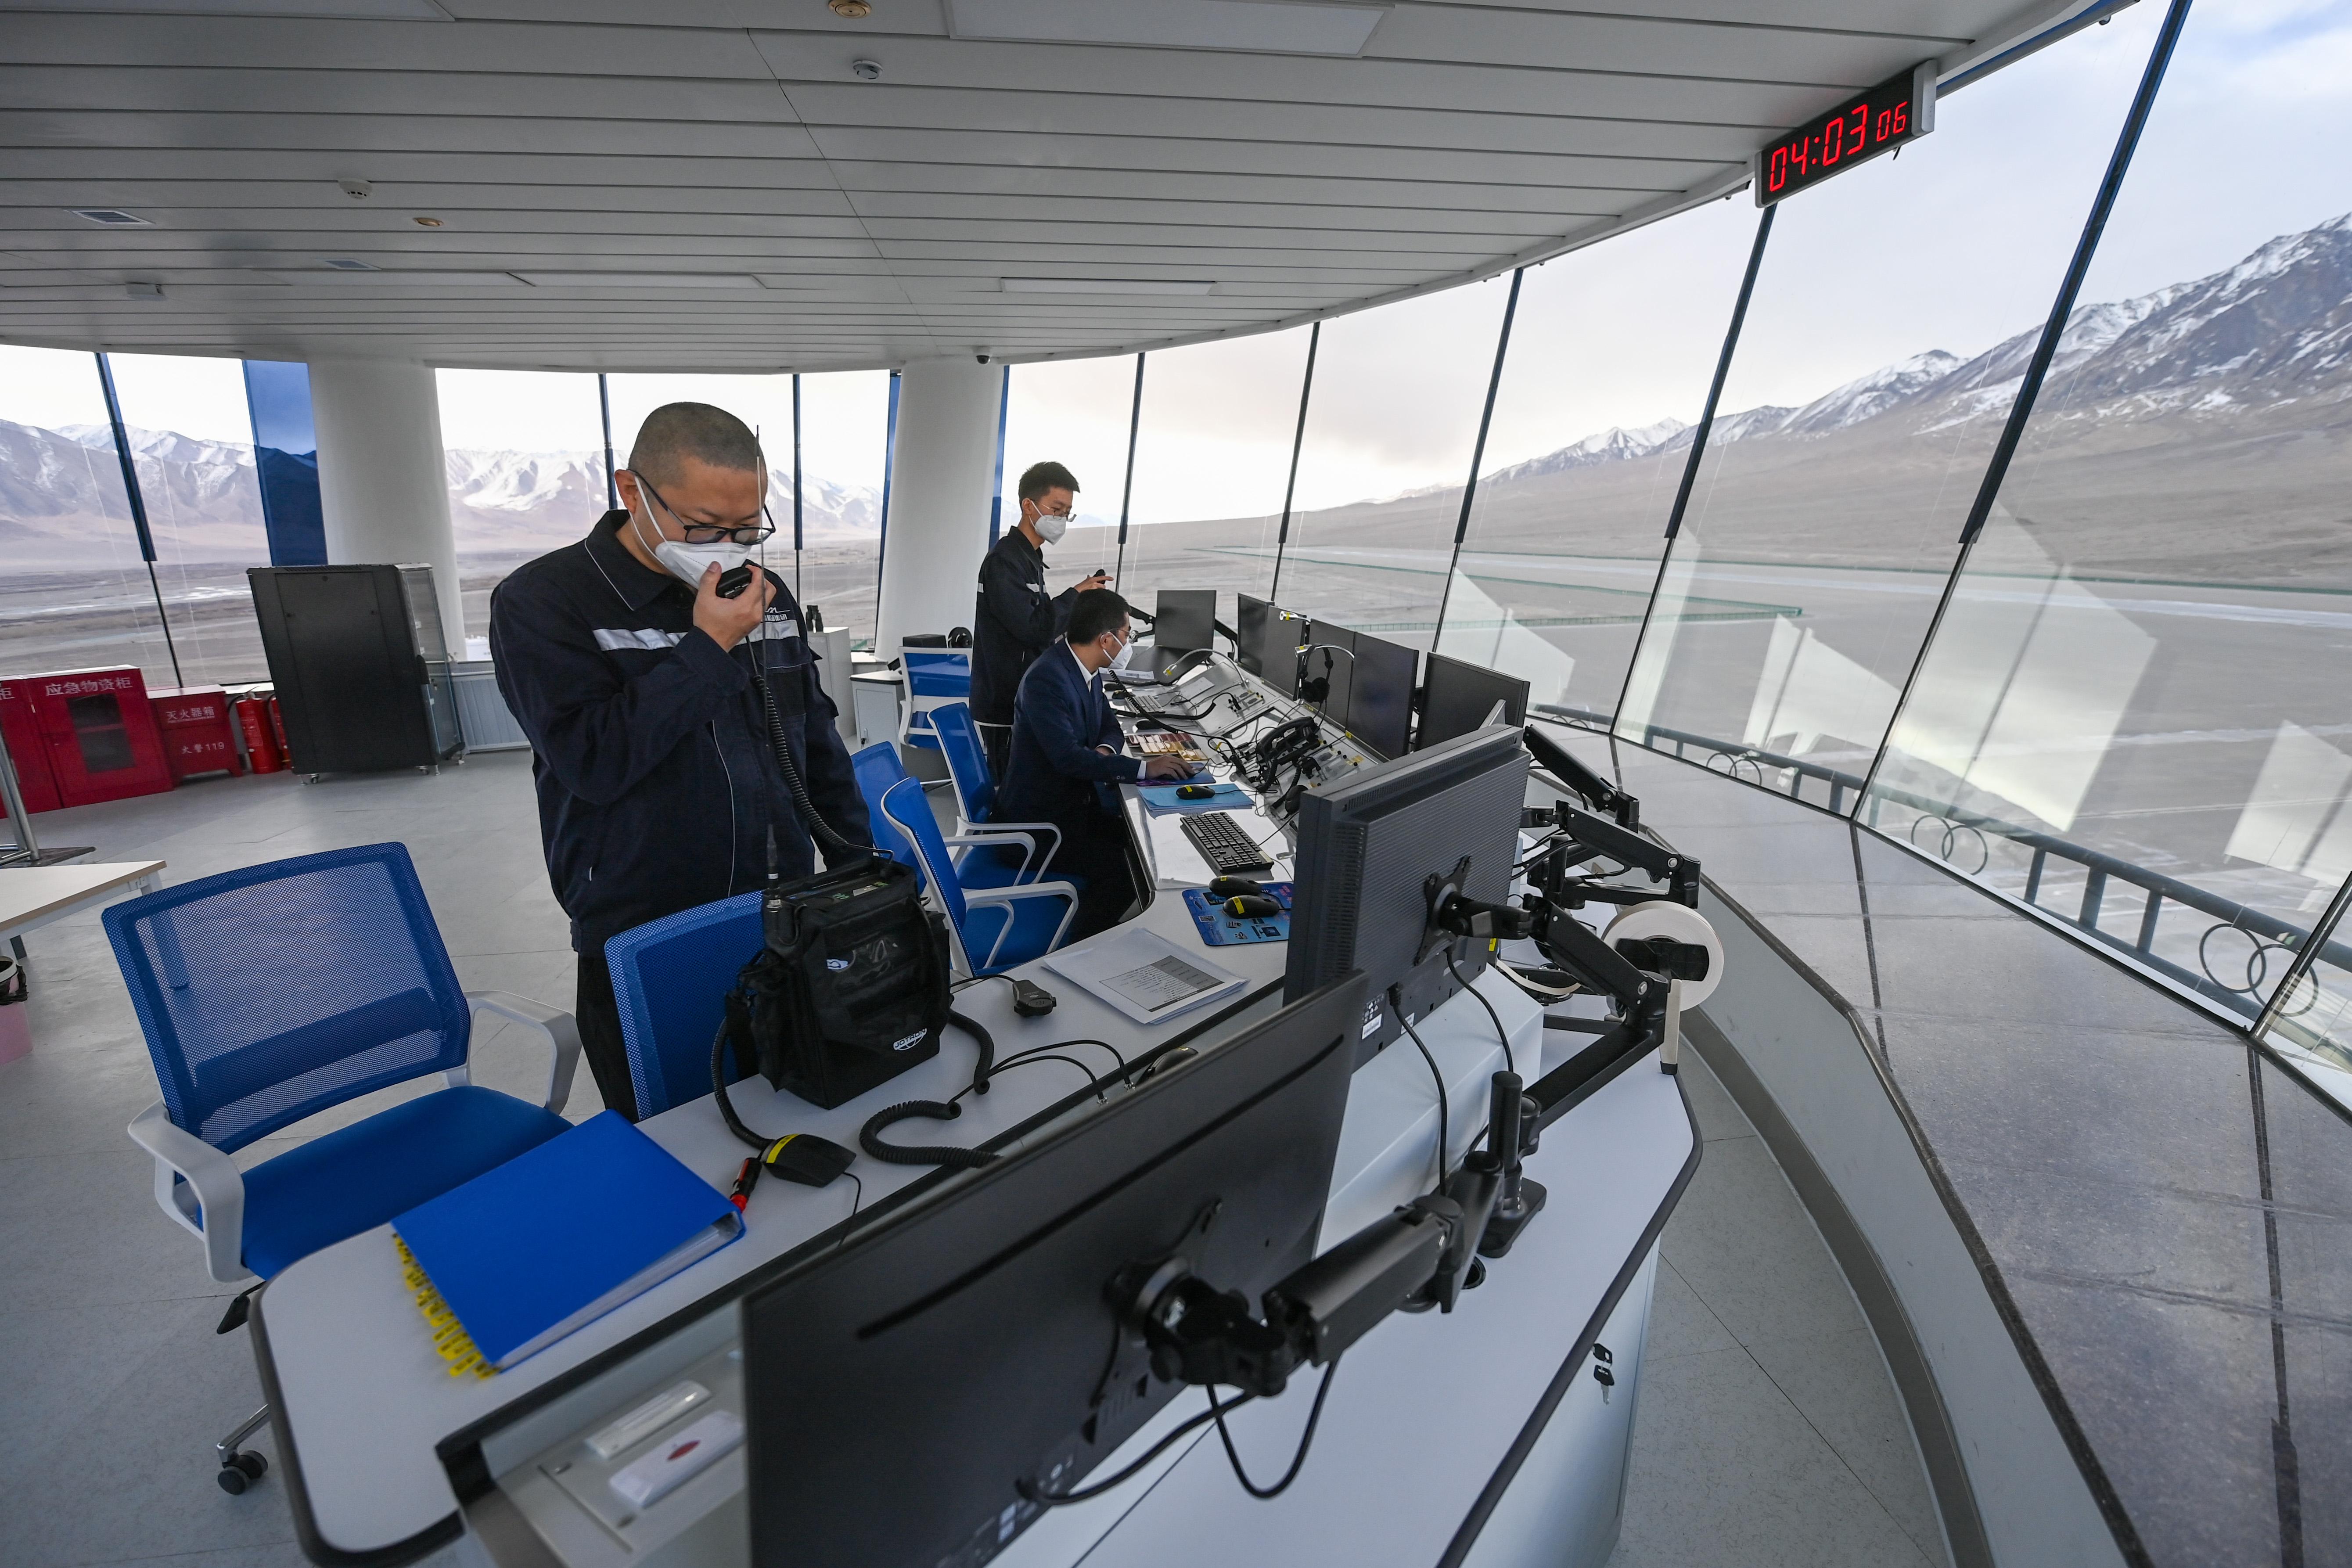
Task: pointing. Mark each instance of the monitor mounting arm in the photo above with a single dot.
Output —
(1423, 1255)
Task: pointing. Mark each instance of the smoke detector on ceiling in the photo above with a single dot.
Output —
(358, 190)
(867, 71)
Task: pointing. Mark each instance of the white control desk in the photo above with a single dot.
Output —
(1482, 1429)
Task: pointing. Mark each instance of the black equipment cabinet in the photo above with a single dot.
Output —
(360, 667)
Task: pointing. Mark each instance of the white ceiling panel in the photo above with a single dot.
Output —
(771, 210)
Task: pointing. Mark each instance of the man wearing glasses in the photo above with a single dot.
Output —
(659, 784)
(1016, 619)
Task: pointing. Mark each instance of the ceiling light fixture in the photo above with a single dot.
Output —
(1106, 285)
(639, 279)
(853, 9)
(428, 223)
(1259, 26)
(110, 218)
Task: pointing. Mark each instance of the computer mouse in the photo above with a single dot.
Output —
(1234, 886)
(1195, 792)
(1251, 907)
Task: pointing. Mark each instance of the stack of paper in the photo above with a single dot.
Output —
(1144, 976)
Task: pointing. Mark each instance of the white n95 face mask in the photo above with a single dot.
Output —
(1125, 653)
(687, 562)
(1051, 526)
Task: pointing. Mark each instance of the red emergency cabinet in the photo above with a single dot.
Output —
(193, 721)
(91, 731)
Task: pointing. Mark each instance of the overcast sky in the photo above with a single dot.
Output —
(1955, 245)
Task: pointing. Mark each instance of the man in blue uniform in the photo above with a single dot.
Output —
(658, 774)
(1015, 620)
(1068, 757)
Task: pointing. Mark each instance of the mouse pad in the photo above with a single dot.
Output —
(1162, 802)
(1219, 928)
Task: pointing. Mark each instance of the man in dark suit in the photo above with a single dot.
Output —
(1069, 756)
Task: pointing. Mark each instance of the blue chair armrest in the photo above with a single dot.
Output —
(561, 1030)
(214, 1187)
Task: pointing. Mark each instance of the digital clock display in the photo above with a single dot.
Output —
(1894, 112)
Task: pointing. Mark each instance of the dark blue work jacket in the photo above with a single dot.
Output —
(1053, 774)
(1015, 622)
(658, 782)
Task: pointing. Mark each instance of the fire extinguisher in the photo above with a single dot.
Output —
(278, 728)
(261, 745)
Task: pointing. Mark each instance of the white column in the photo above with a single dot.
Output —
(381, 480)
(942, 466)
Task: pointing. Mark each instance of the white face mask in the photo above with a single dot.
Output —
(1125, 652)
(1051, 526)
(687, 562)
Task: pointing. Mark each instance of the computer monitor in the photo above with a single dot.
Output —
(1380, 696)
(1326, 661)
(1278, 650)
(899, 1391)
(1367, 847)
(1187, 619)
(1457, 697)
(1250, 616)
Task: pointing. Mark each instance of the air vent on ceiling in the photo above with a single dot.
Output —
(108, 217)
(1106, 285)
(1256, 27)
(347, 264)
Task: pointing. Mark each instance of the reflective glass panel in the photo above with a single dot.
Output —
(2136, 711)
(524, 455)
(1211, 461)
(192, 440)
(2314, 1026)
(75, 594)
(844, 445)
(1612, 351)
(1896, 305)
(1390, 427)
(1074, 413)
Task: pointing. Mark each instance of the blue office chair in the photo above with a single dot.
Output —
(671, 977)
(1008, 856)
(273, 993)
(993, 929)
(934, 674)
(967, 762)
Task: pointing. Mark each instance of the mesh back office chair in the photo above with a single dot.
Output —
(934, 675)
(984, 859)
(975, 784)
(671, 977)
(273, 993)
(993, 929)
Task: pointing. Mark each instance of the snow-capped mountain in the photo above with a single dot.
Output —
(2275, 328)
(61, 490)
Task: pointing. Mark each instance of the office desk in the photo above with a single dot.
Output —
(386, 1457)
(33, 896)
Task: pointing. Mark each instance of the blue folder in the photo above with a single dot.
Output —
(558, 1237)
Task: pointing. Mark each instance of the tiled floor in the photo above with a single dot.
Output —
(1768, 1431)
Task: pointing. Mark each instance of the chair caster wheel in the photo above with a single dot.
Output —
(242, 1472)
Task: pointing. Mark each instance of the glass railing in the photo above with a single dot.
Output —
(2234, 957)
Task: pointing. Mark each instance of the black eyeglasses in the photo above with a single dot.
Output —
(711, 533)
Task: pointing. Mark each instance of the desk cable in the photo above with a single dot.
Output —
(1445, 1139)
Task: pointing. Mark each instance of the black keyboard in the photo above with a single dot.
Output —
(1223, 845)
